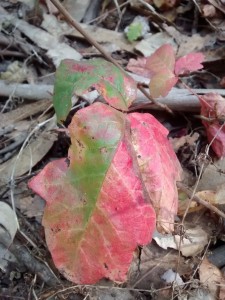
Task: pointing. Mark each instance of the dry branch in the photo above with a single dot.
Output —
(34, 265)
(26, 91)
(178, 99)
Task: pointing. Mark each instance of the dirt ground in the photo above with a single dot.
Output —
(187, 263)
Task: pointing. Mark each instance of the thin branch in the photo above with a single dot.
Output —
(197, 199)
(161, 105)
(177, 99)
(26, 91)
(33, 264)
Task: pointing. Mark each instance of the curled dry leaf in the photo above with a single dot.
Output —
(209, 11)
(212, 278)
(213, 109)
(8, 229)
(164, 5)
(8, 223)
(99, 208)
(213, 176)
(190, 245)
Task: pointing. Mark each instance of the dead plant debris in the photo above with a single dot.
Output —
(188, 263)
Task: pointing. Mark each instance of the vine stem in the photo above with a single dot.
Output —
(88, 37)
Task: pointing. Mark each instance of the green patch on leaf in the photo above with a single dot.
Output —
(93, 145)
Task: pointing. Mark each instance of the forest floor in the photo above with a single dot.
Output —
(35, 37)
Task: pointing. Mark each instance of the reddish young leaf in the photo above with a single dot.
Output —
(161, 65)
(213, 108)
(189, 63)
(158, 165)
(99, 207)
(138, 66)
(163, 59)
(73, 77)
(161, 83)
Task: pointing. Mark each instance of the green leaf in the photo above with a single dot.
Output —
(73, 77)
(134, 31)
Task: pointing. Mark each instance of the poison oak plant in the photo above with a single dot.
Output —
(120, 182)
(164, 71)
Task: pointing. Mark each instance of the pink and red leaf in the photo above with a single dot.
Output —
(162, 69)
(99, 208)
(161, 65)
(189, 63)
(161, 60)
(138, 66)
(158, 166)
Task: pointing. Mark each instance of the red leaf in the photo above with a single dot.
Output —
(158, 165)
(189, 63)
(138, 66)
(95, 215)
(161, 65)
(213, 107)
(163, 59)
(102, 247)
(161, 83)
(99, 208)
